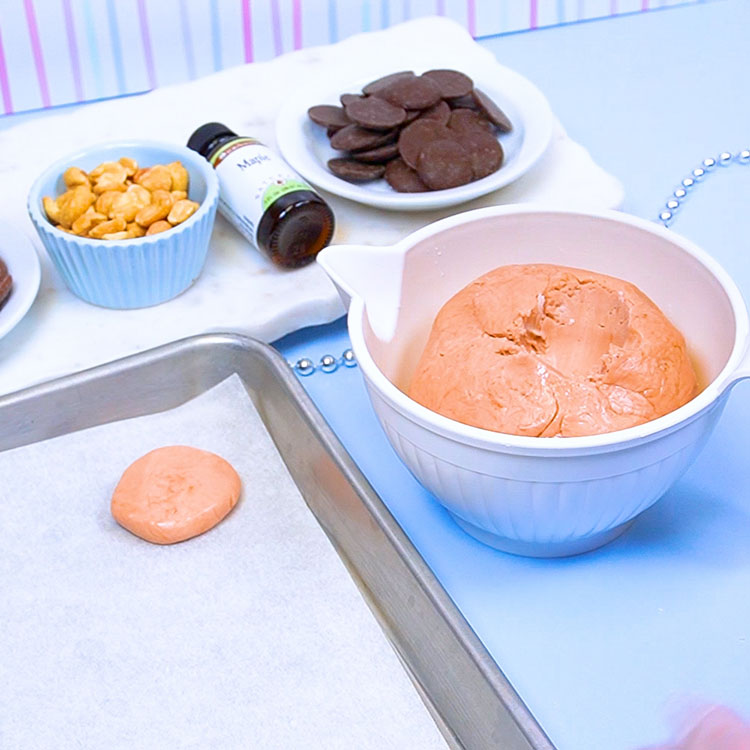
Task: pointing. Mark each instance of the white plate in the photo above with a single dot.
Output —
(23, 265)
(305, 146)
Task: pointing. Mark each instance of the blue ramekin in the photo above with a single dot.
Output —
(138, 272)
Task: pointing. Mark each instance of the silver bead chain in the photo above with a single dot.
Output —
(328, 363)
(688, 184)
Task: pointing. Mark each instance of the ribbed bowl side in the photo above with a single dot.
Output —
(540, 512)
(131, 274)
(515, 508)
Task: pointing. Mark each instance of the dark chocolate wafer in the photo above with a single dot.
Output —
(416, 136)
(379, 84)
(451, 83)
(493, 113)
(355, 171)
(349, 98)
(355, 138)
(375, 113)
(463, 102)
(445, 164)
(378, 155)
(328, 116)
(461, 120)
(411, 93)
(440, 111)
(403, 178)
(483, 148)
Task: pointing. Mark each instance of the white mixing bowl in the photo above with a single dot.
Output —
(538, 496)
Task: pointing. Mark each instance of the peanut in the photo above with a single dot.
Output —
(105, 166)
(124, 235)
(143, 195)
(89, 218)
(161, 203)
(105, 200)
(125, 206)
(129, 203)
(162, 196)
(179, 174)
(136, 230)
(52, 209)
(107, 227)
(158, 226)
(182, 210)
(73, 203)
(112, 179)
(131, 165)
(154, 178)
(179, 195)
(73, 176)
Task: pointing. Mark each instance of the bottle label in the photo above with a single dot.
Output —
(251, 178)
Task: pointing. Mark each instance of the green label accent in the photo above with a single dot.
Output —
(274, 191)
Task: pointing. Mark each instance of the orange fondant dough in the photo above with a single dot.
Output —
(175, 493)
(543, 350)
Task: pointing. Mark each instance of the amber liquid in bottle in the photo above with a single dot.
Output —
(295, 228)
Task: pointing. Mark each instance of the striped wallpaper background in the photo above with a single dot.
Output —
(55, 52)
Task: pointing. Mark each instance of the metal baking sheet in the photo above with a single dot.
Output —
(472, 702)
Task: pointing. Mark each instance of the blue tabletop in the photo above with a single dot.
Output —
(605, 648)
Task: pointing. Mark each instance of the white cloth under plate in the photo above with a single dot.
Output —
(239, 290)
(252, 635)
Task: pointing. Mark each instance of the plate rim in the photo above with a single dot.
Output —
(519, 90)
(15, 245)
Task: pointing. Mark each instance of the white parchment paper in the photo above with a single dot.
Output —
(252, 635)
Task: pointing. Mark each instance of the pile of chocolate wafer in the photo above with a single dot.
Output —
(421, 132)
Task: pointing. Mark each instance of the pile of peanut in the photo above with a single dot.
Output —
(119, 201)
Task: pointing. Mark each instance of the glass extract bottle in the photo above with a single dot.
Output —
(263, 198)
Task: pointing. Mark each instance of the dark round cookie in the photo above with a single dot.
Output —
(378, 155)
(6, 283)
(411, 115)
(349, 98)
(375, 113)
(355, 171)
(461, 120)
(381, 83)
(416, 136)
(355, 138)
(451, 83)
(403, 178)
(493, 113)
(444, 164)
(411, 93)
(484, 150)
(440, 112)
(328, 116)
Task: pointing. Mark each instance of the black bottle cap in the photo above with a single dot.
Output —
(205, 135)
